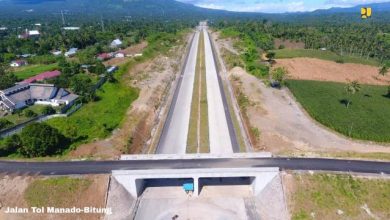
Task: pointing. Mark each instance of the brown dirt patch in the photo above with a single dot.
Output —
(134, 49)
(323, 70)
(288, 44)
(12, 195)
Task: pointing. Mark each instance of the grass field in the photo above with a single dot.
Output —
(56, 192)
(325, 55)
(98, 119)
(29, 71)
(322, 195)
(367, 118)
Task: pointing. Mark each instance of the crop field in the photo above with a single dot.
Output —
(325, 55)
(366, 118)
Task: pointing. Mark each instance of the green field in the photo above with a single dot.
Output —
(325, 55)
(325, 194)
(29, 71)
(98, 119)
(367, 118)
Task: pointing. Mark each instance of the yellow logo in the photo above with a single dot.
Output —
(365, 12)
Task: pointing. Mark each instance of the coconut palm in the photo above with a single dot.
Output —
(352, 88)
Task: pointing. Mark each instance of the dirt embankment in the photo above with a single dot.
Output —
(323, 70)
(152, 78)
(12, 194)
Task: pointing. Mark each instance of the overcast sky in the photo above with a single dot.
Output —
(277, 6)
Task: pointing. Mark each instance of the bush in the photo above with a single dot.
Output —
(4, 123)
(10, 145)
(48, 110)
(40, 139)
(339, 61)
(29, 113)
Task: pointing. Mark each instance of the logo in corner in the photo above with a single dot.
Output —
(365, 13)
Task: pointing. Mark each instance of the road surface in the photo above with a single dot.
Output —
(173, 138)
(220, 140)
(100, 167)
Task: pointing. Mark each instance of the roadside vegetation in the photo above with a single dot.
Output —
(250, 44)
(55, 192)
(334, 196)
(361, 115)
(324, 55)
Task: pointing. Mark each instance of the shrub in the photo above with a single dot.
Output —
(29, 113)
(40, 139)
(4, 123)
(48, 110)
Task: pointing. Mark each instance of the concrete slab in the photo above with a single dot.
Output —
(220, 141)
(175, 140)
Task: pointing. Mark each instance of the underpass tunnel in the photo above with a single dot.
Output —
(224, 181)
(162, 182)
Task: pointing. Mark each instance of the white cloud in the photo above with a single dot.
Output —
(275, 7)
(350, 3)
(210, 5)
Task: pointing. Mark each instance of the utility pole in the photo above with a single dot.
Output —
(63, 19)
(102, 23)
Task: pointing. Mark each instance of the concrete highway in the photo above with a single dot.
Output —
(173, 138)
(100, 167)
(220, 140)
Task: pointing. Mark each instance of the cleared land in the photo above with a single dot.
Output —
(29, 71)
(284, 128)
(323, 70)
(288, 44)
(365, 118)
(325, 55)
(198, 133)
(329, 196)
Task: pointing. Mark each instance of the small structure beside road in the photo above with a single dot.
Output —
(42, 76)
(18, 63)
(116, 43)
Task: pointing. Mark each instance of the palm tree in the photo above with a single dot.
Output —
(352, 88)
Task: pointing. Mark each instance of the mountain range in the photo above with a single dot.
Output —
(160, 8)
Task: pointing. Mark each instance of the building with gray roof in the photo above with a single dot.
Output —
(21, 95)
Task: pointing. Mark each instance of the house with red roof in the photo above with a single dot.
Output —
(42, 76)
(104, 56)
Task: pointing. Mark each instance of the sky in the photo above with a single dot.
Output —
(277, 6)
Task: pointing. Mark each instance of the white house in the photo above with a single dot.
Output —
(116, 43)
(71, 52)
(18, 63)
(120, 55)
(56, 52)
